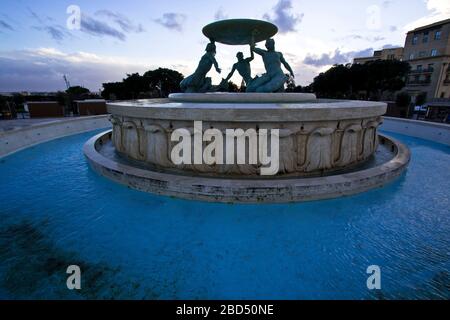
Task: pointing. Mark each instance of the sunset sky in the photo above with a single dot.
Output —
(119, 37)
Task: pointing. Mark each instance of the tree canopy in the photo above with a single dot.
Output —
(77, 91)
(361, 81)
(403, 99)
(157, 83)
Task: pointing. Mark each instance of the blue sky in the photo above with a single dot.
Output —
(119, 37)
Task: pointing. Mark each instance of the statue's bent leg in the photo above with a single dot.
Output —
(185, 83)
(258, 82)
(205, 86)
(276, 84)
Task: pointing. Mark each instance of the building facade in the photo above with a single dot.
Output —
(427, 50)
(384, 54)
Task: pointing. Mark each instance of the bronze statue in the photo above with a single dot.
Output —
(243, 67)
(198, 82)
(240, 32)
(274, 78)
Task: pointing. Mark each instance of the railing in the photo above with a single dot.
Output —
(427, 70)
(439, 100)
(418, 82)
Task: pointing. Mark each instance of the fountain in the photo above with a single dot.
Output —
(322, 148)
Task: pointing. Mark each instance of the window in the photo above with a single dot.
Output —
(415, 39)
(430, 67)
(422, 54)
(442, 94)
(419, 67)
(437, 35)
(434, 52)
(425, 37)
(411, 56)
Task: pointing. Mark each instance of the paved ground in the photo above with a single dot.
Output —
(6, 125)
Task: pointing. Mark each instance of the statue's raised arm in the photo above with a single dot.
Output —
(231, 73)
(252, 54)
(212, 56)
(259, 51)
(286, 65)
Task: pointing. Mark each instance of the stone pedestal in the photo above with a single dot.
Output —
(316, 136)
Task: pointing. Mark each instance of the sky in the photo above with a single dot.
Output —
(114, 38)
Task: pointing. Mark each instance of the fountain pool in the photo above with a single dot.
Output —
(56, 211)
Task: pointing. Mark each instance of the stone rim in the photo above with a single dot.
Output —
(248, 97)
(319, 110)
(247, 190)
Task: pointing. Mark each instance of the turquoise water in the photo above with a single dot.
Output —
(55, 211)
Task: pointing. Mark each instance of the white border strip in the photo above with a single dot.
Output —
(436, 132)
(12, 141)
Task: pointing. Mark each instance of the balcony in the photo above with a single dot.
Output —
(422, 71)
(423, 82)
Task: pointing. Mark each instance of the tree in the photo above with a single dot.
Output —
(290, 85)
(403, 99)
(166, 81)
(334, 83)
(232, 87)
(115, 90)
(77, 91)
(386, 75)
(361, 81)
(154, 83)
(421, 98)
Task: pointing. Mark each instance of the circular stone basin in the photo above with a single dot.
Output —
(315, 136)
(239, 31)
(393, 160)
(327, 148)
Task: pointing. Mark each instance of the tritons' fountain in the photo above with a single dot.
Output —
(262, 145)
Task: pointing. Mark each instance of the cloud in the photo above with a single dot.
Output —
(99, 28)
(172, 21)
(56, 32)
(387, 3)
(337, 57)
(366, 38)
(393, 28)
(220, 15)
(90, 25)
(437, 10)
(42, 69)
(283, 18)
(36, 16)
(391, 46)
(122, 21)
(5, 26)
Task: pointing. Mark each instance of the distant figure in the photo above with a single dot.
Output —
(274, 78)
(198, 82)
(243, 67)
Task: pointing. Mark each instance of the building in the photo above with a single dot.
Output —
(45, 109)
(427, 49)
(91, 107)
(384, 54)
